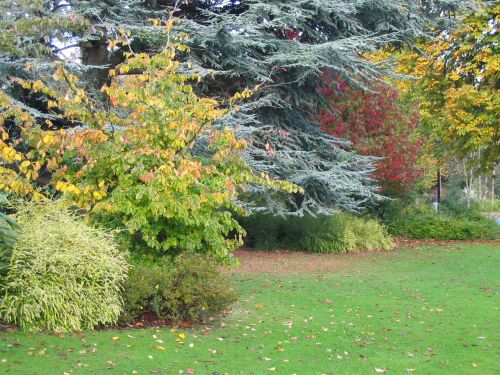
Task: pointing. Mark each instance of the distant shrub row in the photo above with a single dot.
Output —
(341, 233)
(444, 227)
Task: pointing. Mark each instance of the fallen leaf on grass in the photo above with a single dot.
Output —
(114, 338)
(160, 347)
(380, 370)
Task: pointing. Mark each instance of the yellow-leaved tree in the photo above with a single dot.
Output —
(154, 162)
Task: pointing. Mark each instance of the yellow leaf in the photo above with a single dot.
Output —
(114, 338)
(160, 347)
(47, 138)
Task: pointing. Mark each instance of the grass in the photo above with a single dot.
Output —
(415, 311)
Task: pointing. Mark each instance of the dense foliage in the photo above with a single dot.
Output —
(286, 47)
(444, 227)
(340, 233)
(153, 161)
(7, 224)
(236, 45)
(8, 236)
(377, 124)
(457, 89)
(189, 289)
(63, 274)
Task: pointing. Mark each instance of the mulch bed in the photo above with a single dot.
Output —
(296, 262)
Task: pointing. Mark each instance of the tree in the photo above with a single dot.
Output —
(377, 124)
(286, 47)
(457, 89)
(282, 47)
(153, 162)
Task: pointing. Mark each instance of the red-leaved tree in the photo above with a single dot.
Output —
(377, 124)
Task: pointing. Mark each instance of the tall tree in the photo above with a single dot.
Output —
(285, 47)
(457, 88)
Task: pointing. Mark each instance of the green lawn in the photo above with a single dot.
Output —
(414, 311)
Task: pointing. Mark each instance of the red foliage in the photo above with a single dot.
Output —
(376, 124)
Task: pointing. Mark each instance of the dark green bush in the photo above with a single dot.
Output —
(64, 275)
(7, 224)
(340, 233)
(8, 227)
(444, 227)
(190, 288)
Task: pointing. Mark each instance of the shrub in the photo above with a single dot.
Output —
(8, 236)
(7, 225)
(340, 233)
(190, 288)
(155, 162)
(64, 275)
(444, 227)
(345, 233)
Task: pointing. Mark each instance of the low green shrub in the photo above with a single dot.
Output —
(444, 227)
(189, 288)
(344, 233)
(64, 275)
(339, 233)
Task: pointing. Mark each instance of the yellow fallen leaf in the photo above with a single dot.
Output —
(380, 370)
(160, 347)
(182, 335)
(114, 338)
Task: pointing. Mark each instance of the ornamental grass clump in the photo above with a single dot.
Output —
(64, 275)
